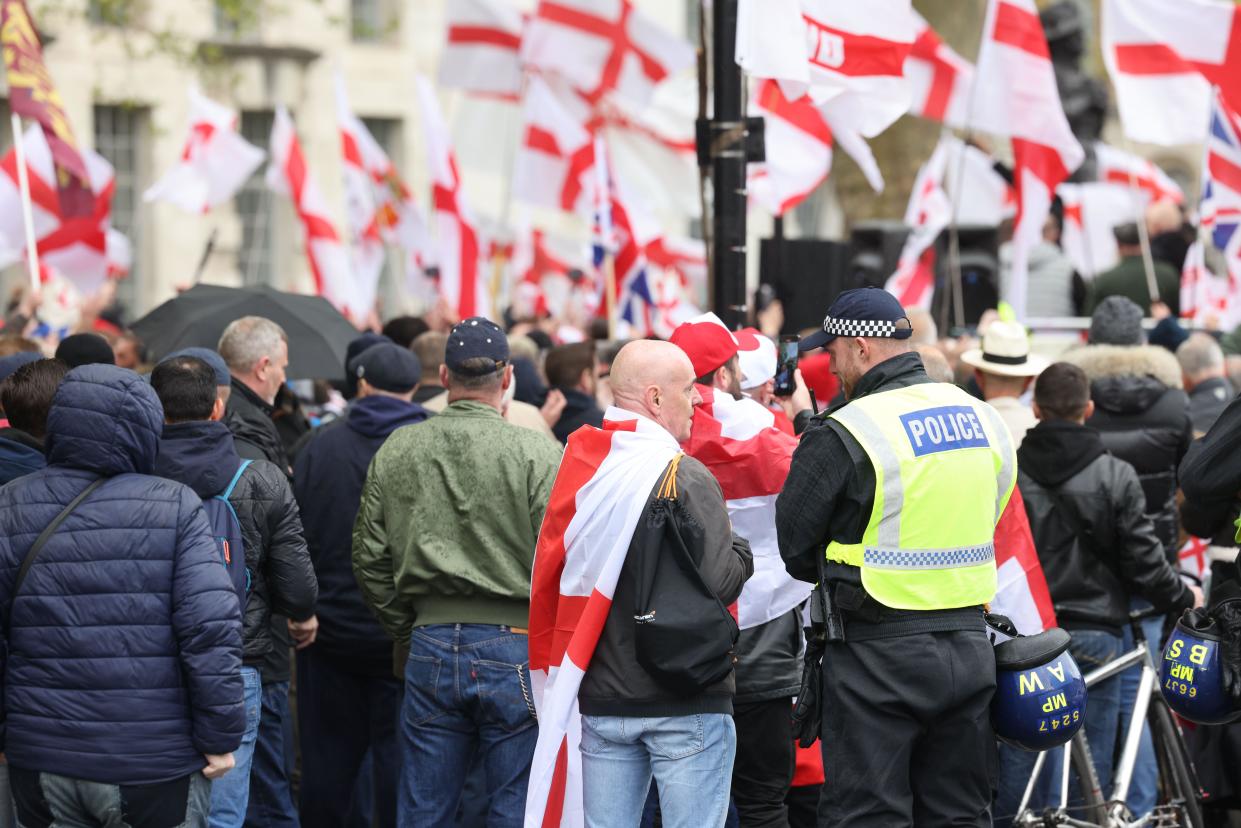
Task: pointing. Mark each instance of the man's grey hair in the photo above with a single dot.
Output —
(1200, 355)
(475, 382)
(247, 340)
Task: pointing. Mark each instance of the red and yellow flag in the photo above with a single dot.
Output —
(33, 95)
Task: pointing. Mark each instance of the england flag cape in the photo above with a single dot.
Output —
(599, 495)
(738, 442)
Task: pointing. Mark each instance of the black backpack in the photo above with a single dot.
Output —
(683, 634)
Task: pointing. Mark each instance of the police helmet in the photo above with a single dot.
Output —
(1191, 676)
(1040, 697)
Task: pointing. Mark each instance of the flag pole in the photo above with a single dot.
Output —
(1148, 261)
(609, 291)
(23, 182)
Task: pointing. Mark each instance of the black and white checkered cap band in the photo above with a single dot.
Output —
(864, 327)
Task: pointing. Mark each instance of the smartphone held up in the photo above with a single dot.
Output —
(786, 366)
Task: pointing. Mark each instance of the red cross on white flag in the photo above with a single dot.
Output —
(602, 47)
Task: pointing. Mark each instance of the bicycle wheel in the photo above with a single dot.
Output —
(1180, 783)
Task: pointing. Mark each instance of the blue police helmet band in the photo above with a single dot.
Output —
(876, 328)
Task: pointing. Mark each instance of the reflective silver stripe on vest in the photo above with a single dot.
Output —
(876, 444)
(1008, 469)
(878, 558)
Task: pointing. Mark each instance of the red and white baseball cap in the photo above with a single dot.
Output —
(707, 342)
(757, 354)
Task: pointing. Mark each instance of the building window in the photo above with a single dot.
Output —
(120, 133)
(255, 209)
(370, 21)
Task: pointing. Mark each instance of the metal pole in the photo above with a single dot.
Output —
(23, 183)
(728, 154)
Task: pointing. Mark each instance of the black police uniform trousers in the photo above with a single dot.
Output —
(907, 736)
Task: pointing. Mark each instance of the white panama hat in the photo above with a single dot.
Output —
(1006, 351)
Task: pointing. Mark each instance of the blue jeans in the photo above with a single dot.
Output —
(1143, 787)
(467, 692)
(49, 799)
(271, 795)
(690, 758)
(1090, 649)
(231, 792)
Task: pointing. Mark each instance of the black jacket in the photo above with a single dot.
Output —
(1211, 478)
(769, 659)
(1207, 401)
(579, 409)
(1143, 416)
(328, 475)
(201, 455)
(1095, 542)
(248, 416)
(830, 494)
(256, 438)
(615, 683)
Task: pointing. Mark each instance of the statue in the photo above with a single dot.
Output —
(1084, 98)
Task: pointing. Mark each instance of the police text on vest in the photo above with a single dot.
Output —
(947, 428)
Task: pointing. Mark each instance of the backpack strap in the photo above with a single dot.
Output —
(232, 484)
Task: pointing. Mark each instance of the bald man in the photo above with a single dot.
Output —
(633, 726)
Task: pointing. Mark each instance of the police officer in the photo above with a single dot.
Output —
(894, 496)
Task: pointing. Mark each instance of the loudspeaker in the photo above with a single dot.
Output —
(980, 275)
(807, 274)
(874, 250)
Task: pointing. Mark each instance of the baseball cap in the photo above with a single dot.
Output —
(866, 312)
(758, 358)
(707, 342)
(388, 367)
(476, 338)
(213, 359)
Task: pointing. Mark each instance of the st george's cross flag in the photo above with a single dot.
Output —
(603, 47)
(1116, 166)
(1016, 95)
(462, 278)
(555, 163)
(599, 495)
(852, 56)
(1164, 58)
(215, 161)
(799, 149)
(1021, 587)
(482, 47)
(75, 246)
(363, 208)
(939, 78)
(288, 175)
(1091, 211)
(928, 213)
(739, 443)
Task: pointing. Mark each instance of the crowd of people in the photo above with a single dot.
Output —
(229, 603)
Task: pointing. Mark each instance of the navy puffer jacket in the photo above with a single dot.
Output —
(122, 660)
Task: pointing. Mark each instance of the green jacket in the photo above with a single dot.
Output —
(450, 514)
(1128, 279)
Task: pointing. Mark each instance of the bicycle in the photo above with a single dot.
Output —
(1180, 797)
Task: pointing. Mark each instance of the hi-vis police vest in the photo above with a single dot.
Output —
(944, 470)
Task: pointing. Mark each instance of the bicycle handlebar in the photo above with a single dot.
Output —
(1143, 614)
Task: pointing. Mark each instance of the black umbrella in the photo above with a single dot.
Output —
(318, 333)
